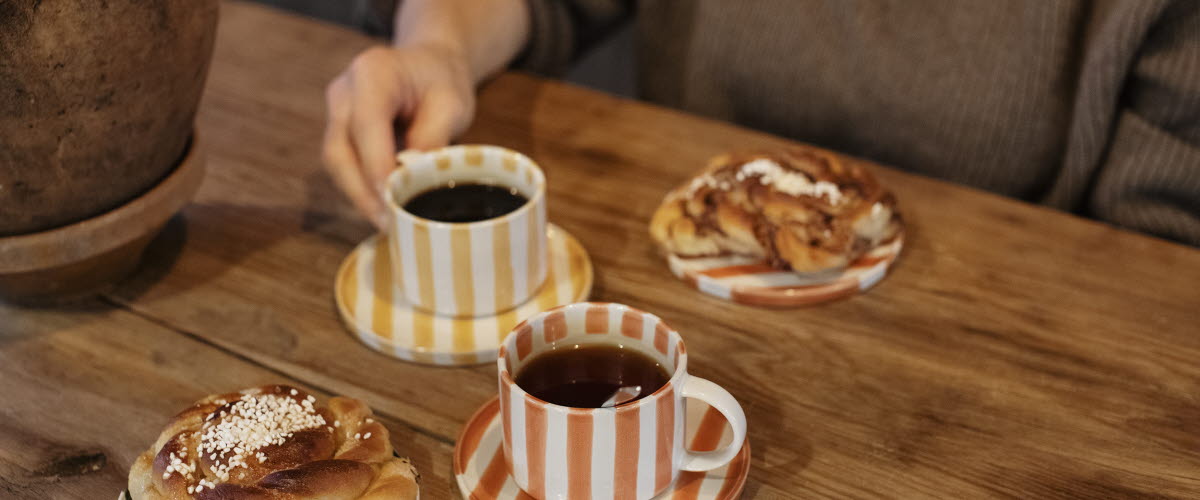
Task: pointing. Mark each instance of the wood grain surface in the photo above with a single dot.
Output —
(1015, 351)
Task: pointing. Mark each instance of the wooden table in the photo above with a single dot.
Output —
(1014, 351)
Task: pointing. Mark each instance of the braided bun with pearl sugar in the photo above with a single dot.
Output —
(273, 443)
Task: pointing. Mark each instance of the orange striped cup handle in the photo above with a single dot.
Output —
(475, 268)
(630, 452)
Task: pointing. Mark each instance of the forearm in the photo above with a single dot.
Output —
(485, 34)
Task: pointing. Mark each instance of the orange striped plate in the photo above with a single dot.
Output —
(751, 281)
(482, 474)
(374, 310)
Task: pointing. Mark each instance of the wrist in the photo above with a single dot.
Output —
(447, 51)
(480, 36)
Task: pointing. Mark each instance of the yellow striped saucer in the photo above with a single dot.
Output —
(373, 308)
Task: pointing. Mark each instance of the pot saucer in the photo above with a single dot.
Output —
(751, 281)
(481, 472)
(81, 259)
(373, 309)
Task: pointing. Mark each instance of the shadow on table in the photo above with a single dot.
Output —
(329, 214)
(203, 244)
(19, 322)
(791, 457)
(158, 260)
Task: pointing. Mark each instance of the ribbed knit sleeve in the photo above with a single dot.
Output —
(562, 29)
(1149, 179)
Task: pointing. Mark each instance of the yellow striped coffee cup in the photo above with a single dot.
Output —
(474, 268)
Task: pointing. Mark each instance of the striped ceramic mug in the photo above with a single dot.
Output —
(475, 268)
(632, 451)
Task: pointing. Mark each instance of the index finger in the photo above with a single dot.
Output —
(342, 161)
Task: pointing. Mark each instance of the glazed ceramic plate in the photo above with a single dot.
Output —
(373, 308)
(482, 474)
(751, 281)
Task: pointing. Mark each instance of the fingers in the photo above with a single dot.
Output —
(340, 157)
(437, 119)
(381, 84)
(373, 109)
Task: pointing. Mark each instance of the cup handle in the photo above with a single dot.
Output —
(716, 397)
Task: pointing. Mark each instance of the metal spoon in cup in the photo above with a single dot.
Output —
(622, 396)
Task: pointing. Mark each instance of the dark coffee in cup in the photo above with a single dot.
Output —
(465, 202)
(587, 376)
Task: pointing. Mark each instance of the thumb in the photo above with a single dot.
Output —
(435, 121)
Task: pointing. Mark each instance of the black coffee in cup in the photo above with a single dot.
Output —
(586, 376)
(465, 202)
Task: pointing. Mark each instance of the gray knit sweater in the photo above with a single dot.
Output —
(1089, 106)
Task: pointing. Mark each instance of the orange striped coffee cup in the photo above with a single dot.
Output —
(628, 452)
(474, 268)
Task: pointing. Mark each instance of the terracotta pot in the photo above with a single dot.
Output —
(97, 101)
(83, 258)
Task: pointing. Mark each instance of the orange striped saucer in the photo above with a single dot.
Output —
(751, 281)
(482, 474)
(373, 309)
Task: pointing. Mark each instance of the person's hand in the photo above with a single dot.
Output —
(425, 91)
